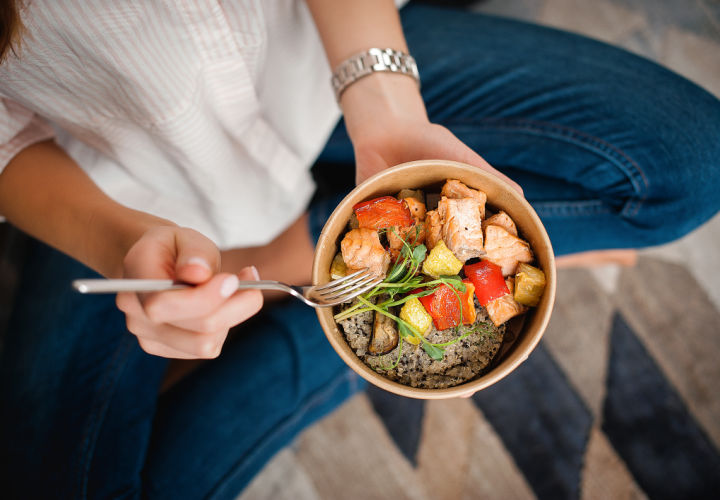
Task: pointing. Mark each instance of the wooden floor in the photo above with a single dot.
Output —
(620, 401)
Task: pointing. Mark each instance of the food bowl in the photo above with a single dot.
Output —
(431, 174)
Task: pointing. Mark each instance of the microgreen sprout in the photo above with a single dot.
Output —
(402, 283)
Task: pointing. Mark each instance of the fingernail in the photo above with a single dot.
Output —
(229, 286)
(254, 271)
(199, 261)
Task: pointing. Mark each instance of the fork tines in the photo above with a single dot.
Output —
(348, 287)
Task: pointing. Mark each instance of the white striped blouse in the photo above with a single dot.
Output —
(205, 112)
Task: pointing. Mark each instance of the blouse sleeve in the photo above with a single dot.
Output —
(19, 128)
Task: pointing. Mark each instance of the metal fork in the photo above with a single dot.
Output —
(330, 294)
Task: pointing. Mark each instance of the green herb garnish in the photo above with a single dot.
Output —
(402, 283)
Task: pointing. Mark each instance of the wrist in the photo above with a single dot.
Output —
(112, 232)
(381, 101)
(372, 60)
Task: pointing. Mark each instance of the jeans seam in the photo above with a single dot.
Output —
(105, 391)
(632, 170)
(311, 402)
(571, 208)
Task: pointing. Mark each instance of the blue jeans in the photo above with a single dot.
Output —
(612, 150)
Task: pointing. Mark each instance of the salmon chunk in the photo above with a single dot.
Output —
(503, 220)
(362, 248)
(433, 227)
(462, 227)
(456, 189)
(413, 235)
(503, 308)
(505, 250)
(417, 208)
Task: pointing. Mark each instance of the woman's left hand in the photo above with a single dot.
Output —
(417, 141)
(388, 125)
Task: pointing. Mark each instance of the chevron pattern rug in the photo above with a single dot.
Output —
(620, 400)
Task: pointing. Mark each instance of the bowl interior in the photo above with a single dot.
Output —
(430, 175)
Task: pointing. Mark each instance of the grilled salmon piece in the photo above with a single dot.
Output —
(362, 248)
(417, 208)
(462, 227)
(413, 235)
(505, 250)
(503, 220)
(456, 189)
(503, 308)
(433, 228)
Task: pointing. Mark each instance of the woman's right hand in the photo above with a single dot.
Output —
(192, 322)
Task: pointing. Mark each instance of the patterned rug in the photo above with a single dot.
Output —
(620, 400)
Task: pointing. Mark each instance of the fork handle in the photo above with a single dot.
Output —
(141, 285)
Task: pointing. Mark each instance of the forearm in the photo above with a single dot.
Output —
(348, 27)
(46, 194)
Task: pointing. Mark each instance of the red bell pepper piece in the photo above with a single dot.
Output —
(444, 307)
(383, 212)
(488, 280)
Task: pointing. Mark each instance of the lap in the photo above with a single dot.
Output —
(275, 376)
(74, 384)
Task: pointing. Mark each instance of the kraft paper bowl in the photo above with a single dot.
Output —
(430, 175)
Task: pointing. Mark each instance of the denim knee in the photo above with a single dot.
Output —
(683, 171)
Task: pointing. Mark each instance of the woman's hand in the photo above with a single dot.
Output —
(387, 123)
(415, 141)
(188, 323)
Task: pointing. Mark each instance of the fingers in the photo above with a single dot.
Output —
(160, 339)
(176, 341)
(191, 323)
(194, 302)
(170, 252)
(159, 349)
(472, 158)
(198, 257)
(485, 165)
(239, 308)
(455, 149)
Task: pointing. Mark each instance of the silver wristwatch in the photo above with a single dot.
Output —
(370, 61)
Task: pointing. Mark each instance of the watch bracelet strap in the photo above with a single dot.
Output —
(370, 61)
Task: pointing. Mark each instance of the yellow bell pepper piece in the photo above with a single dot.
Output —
(338, 268)
(416, 316)
(441, 261)
(529, 284)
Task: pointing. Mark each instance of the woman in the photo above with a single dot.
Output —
(173, 140)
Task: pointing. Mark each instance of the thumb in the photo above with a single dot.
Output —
(198, 258)
(472, 158)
